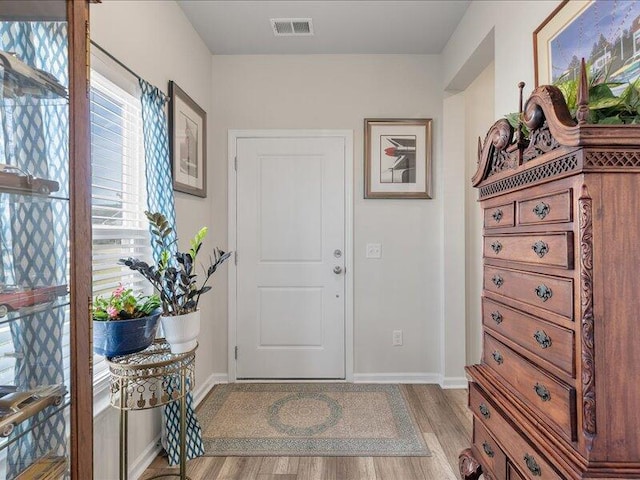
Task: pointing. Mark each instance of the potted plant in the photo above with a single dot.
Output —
(124, 322)
(175, 280)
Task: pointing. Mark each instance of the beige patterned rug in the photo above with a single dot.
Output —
(320, 419)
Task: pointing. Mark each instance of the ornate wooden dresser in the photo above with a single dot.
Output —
(557, 393)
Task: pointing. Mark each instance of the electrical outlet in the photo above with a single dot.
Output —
(374, 250)
(397, 338)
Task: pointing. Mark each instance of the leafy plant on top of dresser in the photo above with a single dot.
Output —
(176, 281)
(605, 107)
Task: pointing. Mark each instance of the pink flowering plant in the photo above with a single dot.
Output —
(123, 304)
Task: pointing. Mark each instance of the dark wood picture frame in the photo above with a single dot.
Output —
(408, 144)
(187, 138)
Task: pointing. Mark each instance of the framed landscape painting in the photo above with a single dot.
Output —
(188, 143)
(605, 33)
(397, 158)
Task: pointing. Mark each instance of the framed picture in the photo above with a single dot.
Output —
(397, 161)
(605, 33)
(188, 143)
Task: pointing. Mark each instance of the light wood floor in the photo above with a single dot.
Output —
(443, 419)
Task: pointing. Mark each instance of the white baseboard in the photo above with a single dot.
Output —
(205, 387)
(141, 463)
(432, 378)
(454, 382)
(396, 378)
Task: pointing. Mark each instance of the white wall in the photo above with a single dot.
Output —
(513, 23)
(155, 40)
(403, 290)
(478, 100)
(502, 32)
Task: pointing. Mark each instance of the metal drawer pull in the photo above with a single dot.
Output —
(484, 410)
(542, 338)
(497, 317)
(541, 210)
(497, 280)
(488, 450)
(532, 465)
(543, 292)
(496, 247)
(497, 357)
(540, 248)
(542, 392)
(497, 215)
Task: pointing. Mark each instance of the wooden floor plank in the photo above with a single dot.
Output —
(459, 397)
(263, 476)
(239, 468)
(317, 468)
(451, 433)
(413, 400)
(437, 465)
(205, 467)
(398, 468)
(355, 468)
(279, 466)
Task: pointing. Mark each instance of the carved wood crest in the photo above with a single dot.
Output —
(550, 126)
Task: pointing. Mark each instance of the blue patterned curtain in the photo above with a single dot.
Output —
(160, 199)
(34, 231)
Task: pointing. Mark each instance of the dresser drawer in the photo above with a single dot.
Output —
(553, 208)
(513, 474)
(552, 398)
(516, 447)
(552, 249)
(550, 293)
(489, 453)
(500, 216)
(551, 342)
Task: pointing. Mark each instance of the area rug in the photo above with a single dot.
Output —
(320, 419)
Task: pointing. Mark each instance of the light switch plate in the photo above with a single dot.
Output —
(374, 250)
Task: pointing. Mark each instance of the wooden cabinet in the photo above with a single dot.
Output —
(46, 426)
(556, 394)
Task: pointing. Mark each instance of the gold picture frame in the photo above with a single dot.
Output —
(606, 34)
(397, 162)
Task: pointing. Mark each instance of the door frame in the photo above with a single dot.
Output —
(233, 137)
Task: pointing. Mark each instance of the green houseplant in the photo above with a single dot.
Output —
(610, 103)
(124, 323)
(175, 280)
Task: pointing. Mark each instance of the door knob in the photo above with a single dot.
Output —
(337, 270)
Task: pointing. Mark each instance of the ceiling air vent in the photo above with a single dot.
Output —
(287, 27)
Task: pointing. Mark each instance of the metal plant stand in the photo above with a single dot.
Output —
(149, 379)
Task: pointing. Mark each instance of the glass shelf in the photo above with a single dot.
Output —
(40, 421)
(26, 312)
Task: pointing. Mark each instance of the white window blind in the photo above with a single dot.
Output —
(120, 228)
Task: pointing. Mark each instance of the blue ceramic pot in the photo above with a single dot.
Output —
(121, 337)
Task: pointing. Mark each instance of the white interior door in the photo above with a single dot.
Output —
(290, 239)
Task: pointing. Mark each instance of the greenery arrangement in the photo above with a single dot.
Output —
(174, 278)
(123, 304)
(605, 108)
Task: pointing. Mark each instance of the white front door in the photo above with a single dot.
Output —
(290, 239)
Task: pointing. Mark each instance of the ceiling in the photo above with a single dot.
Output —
(242, 27)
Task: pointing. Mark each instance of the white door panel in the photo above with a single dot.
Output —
(290, 220)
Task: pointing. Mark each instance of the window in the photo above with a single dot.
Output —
(118, 195)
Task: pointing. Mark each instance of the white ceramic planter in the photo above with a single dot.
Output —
(181, 332)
